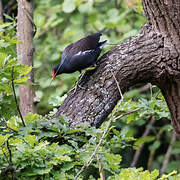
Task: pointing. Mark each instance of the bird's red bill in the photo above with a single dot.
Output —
(53, 74)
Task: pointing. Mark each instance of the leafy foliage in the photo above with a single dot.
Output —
(49, 149)
(10, 69)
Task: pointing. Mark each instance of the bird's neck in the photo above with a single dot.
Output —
(59, 69)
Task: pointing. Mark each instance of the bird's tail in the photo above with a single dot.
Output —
(102, 44)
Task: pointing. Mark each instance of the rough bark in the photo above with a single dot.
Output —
(1, 11)
(25, 53)
(151, 56)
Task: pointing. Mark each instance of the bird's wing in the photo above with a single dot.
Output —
(87, 43)
(91, 51)
(88, 57)
(84, 59)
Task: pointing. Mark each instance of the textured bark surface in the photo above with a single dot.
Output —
(151, 56)
(25, 53)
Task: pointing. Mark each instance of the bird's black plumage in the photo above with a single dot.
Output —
(80, 55)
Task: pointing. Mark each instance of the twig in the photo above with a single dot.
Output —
(152, 153)
(157, 94)
(5, 155)
(8, 8)
(144, 88)
(151, 92)
(119, 89)
(11, 169)
(101, 172)
(168, 153)
(104, 133)
(146, 133)
(15, 98)
(122, 115)
(10, 154)
(95, 151)
(9, 4)
(127, 113)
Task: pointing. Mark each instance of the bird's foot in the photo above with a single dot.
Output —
(76, 86)
(77, 83)
(91, 68)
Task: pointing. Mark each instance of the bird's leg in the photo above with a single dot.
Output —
(91, 68)
(80, 77)
(77, 82)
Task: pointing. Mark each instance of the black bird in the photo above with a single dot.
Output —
(80, 55)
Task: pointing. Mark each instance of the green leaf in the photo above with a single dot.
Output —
(8, 17)
(42, 171)
(69, 6)
(31, 118)
(21, 80)
(30, 139)
(164, 177)
(143, 140)
(67, 166)
(139, 174)
(63, 158)
(2, 58)
(155, 145)
(23, 69)
(175, 151)
(3, 139)
(86, 7)
(13, 123)
(113, 160)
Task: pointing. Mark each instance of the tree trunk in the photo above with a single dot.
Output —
(151, 56)
(1, 11)
(25, 53)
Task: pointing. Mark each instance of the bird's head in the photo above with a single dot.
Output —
(56, 71)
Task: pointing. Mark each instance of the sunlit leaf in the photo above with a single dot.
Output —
(69, 6)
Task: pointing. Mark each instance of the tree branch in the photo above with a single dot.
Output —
(1, 11)
(152, 56)
(10, 167)
(132, 62)
(15, 98)
(146, 133)
(168, 153)
(152, 153)
(101, 172)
